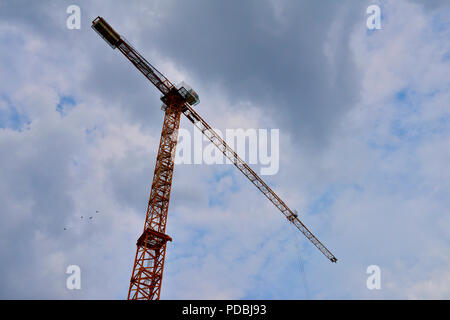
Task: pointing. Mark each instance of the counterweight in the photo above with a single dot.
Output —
(148, 266)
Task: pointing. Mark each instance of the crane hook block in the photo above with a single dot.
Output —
(106, 32)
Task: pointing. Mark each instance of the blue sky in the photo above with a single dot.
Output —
(65, 105)
(364, 148)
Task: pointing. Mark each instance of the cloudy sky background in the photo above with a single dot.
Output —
(364, 148)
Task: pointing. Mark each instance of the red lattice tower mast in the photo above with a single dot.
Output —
(151, 246)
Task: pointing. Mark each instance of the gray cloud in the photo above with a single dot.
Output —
(273, 58)
(431, 4)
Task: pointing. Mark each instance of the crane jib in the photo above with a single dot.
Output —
(215, 138)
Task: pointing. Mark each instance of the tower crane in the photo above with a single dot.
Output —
(146, 277)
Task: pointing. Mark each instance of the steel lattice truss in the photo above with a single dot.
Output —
(212, 136)
(151, 246)
(150, 72)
